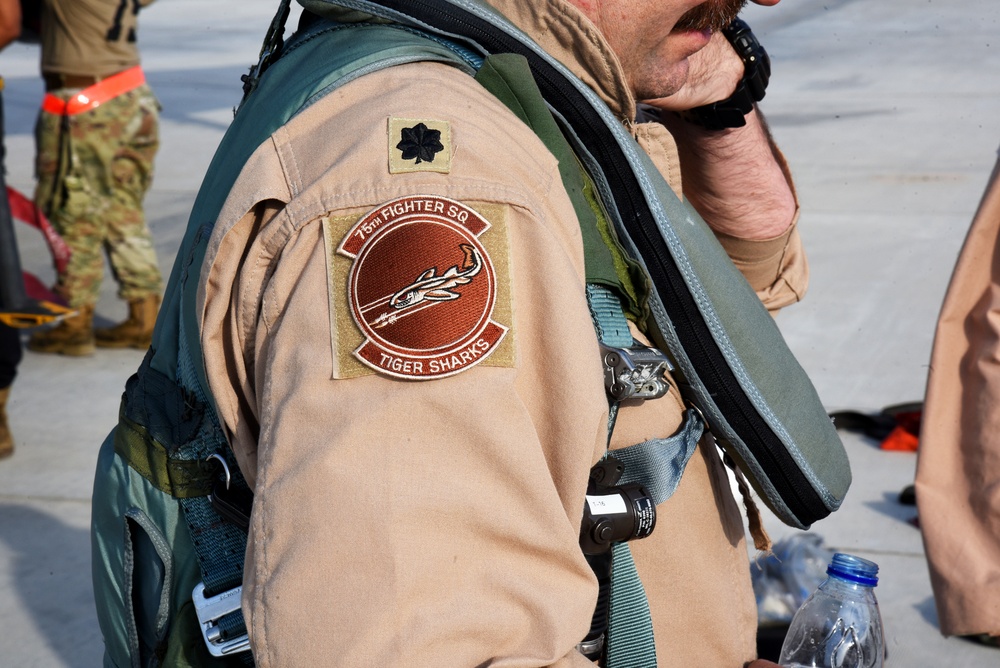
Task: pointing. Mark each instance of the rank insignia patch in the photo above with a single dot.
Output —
(422, 288)
(419, 146)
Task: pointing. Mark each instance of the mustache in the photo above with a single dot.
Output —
(714, 15)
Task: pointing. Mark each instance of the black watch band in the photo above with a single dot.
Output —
(731, 112)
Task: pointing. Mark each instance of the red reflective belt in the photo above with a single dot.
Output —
(94, 96)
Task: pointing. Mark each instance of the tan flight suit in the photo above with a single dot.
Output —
(958, 466)
(435, 522)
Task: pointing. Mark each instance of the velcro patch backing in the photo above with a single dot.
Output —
(419, 289)
(419, 146)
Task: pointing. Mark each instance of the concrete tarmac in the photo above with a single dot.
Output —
(886, 112)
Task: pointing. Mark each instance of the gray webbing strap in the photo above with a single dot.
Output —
(659, 463)
(630, 626)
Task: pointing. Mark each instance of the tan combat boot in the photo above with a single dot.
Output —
(6, 440)
(137, 330)
(73, 336)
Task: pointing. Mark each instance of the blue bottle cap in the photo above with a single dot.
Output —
(853, 569)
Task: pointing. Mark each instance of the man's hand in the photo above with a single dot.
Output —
(733, 177)
(713, 74)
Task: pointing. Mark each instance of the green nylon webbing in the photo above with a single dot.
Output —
(181, 478)
(609, 322)
(630, 641)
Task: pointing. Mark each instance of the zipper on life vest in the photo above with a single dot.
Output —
(693, 333)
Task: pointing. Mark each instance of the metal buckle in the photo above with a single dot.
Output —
(210, 611)
(635, 373)
(591, 648)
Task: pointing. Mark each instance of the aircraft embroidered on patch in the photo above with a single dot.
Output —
(422, 288)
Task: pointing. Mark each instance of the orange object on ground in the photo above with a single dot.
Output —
(900, 439)
(906, 434)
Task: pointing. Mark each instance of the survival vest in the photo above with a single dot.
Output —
(167, 560)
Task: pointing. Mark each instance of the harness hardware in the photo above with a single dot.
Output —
(635, 372)
(591, 648)
(233, 504)
(225, 467)
(210, 611)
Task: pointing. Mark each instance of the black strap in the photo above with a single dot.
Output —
(270, 51)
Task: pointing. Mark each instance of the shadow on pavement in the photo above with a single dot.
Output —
(928, 611)
(50, 572)
(889, 505)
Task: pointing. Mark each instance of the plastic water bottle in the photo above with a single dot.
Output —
(839, 625)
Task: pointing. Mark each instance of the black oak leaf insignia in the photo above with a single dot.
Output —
(420, 142)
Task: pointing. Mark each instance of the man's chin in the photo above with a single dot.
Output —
(665, 83)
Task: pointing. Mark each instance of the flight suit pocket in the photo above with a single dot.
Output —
(147, 581)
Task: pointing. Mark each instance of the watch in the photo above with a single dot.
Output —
(731, 112)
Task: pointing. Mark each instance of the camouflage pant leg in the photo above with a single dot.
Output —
(93, 171)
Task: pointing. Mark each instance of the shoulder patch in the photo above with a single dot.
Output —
(424, 289)
(419, 146)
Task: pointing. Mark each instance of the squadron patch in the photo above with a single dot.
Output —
(419, 146)
(422, 288)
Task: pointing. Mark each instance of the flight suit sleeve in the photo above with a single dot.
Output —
(776, 268)
(417, 395)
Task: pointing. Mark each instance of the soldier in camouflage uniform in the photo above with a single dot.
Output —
(97, 135)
